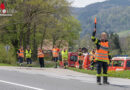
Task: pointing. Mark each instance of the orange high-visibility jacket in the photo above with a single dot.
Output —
(102, 52)
(21, 53)
(92, 57)
(55, 52)
(40, 54)
(81, 57)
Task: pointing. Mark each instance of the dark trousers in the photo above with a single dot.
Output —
(29, 61)
(20, 60)
(80, 64)
(41, 62)
(102, 65)
(55, 59)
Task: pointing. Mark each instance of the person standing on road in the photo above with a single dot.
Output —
(102, 56)
(28, 55)
(80, 58)
(65, 57)
(20, 53)
(92, 59)
(55, 54)
(41, 57)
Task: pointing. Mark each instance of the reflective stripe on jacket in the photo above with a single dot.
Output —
(64, 53)
(21, 53)
(55, 52)
(102, 52)
(40, 54)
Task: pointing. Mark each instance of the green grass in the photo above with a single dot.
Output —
(83, 71)
(3, 64)
(124, 33)
(117, 74)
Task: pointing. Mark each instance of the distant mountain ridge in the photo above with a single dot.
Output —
(112, 16)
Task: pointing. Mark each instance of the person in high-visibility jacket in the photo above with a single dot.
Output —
(80, 58)
(28, 55)
(64, 54)
(55, 54)
(20, 53)
(41, 57)
(102, 56)
(92, 59)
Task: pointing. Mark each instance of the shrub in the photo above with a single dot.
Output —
(8, 58)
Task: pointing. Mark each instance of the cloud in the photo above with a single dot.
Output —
(83, 3)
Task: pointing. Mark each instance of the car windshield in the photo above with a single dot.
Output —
(128, 64)
(118, 63)
(73, 58)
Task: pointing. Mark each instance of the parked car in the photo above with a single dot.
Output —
(119, 64)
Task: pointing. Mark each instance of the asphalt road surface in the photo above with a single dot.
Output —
(15, 78)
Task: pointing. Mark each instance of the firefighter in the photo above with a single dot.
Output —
(92, 59)
(28, 55)
(85, 51)
(20, 56)
(55, 54)
(86, 58)
(80, 58)
(102, 56)
(41, 57)
(65, 57)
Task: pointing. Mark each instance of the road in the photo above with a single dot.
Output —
(16, 78)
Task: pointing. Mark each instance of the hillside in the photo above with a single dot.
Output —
(124, 33)
(112, 16)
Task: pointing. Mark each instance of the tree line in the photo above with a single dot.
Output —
(35, 21)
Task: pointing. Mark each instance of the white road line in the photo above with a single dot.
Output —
(21, 85)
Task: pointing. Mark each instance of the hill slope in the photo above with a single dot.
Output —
(112, 16)
(124, 33)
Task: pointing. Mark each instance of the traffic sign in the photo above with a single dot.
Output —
(7, 48)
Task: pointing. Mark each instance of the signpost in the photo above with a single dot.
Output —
(7, 48)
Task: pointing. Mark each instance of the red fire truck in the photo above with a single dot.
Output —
(120, 64)
(74, 62)
(72, 58)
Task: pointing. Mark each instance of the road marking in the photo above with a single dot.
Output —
(21, 85)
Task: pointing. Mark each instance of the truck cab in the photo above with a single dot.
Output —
(119, 64)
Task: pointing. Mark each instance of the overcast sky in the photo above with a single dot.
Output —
(83, 3)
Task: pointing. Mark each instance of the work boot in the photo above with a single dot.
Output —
(99, 80)
(105, 80)
(56, 65)
(99, 83)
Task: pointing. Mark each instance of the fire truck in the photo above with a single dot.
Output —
(74, 62)
(119, 64)
(72, 59)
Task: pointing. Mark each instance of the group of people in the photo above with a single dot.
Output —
(21, 55)
(27, 54)
(83, 54)
(101, 56)
(55, 55)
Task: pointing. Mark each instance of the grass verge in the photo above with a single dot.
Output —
(3, 64)
(117, 74)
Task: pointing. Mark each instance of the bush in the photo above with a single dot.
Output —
(8, 58)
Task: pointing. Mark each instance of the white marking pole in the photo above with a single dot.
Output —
(21, 85)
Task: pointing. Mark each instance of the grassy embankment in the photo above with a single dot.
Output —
(118, 74)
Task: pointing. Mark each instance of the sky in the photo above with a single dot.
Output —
(83, 3)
